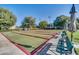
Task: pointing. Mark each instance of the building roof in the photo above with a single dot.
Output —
(73, 10)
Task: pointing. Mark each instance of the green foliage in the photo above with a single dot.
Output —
(77, 23)
(43, 24)
(29, 22)
(61, 20)
(78, 20)
(7, 19)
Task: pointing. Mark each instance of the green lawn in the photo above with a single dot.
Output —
(39, 33)
(75, 36)
(43, 32)
(25, 40)
(34, 34)
(77, 50)
(75, 39)
(28, 38)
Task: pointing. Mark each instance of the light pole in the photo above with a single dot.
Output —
(49, 17)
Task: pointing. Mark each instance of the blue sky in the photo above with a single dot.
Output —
(39, 11)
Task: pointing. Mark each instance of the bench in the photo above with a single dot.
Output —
(64, 49)
(60, 46)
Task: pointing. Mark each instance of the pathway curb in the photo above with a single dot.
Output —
(18, 46)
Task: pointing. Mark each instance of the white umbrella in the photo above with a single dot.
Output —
(72, 22)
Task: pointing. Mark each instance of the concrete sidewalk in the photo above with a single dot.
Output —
(7, 48)
(51, 49)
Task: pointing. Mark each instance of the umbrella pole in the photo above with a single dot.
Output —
(71, 36)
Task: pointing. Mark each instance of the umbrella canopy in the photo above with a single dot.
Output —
(72, 21)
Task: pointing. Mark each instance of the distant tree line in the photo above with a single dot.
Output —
(29, 23)
(8, 19)
(59, 23)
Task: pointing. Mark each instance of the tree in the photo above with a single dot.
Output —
(7, 19)
(61, 21)
(29, 22)
(77, 23)
(43, 24)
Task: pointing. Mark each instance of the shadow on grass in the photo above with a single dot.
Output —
(77, 39)
(28, 46)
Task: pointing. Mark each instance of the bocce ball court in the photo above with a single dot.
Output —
(29, 40)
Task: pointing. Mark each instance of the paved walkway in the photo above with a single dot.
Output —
(7, 48)
(50, 47)
(76, 45)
